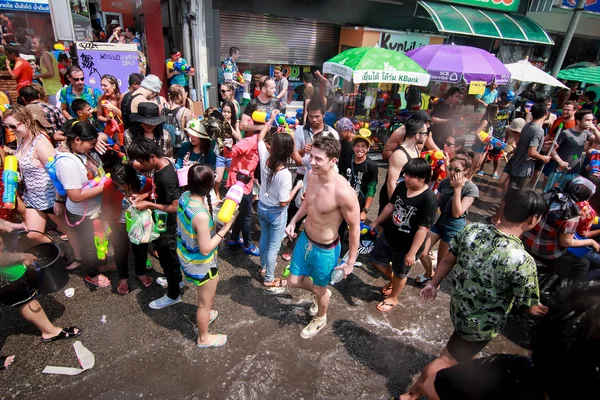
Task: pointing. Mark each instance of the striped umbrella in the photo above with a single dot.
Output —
(585, 75)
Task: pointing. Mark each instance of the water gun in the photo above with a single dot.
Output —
(97, 181)
(100, 239)
(594, 165)
(262, 118)
(240, 78)
(234, 196)
(181, 67)
(4, 107)
(496, 143)
(10, 178)
(51, 168)
(434, 157)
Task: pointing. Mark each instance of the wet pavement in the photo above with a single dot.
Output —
(144, 353)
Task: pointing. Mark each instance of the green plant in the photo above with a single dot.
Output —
(3, 62)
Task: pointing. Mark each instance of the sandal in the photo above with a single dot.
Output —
(263, 272)
(252, 250)
(277, 282)
(422, 279)
(3, 361)
(237, 242)
(98, 281)
(219, 341)
(384, 306)
(146, 280)
(495, 176)
(64, 237)
(123, 288)
(74, 265)
(286, 257)
(66, 333)
(386, 290)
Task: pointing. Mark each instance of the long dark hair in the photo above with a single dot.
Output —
(201, 179)
(137, 131)
(82, 130)
(125, 175)
(490, 112)
(282, 148)
(233, 112)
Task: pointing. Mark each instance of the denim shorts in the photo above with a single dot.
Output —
(447, 227)
(223, 162)
(311, 259)
(478, 147)
(384, 253)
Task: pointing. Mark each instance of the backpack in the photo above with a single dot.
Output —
(171, 125)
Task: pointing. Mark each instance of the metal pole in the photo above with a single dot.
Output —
(564, 46)
(185, 34)
(198, 27)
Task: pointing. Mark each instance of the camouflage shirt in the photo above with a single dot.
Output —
(492, 273)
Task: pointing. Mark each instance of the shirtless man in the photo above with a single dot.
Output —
(397, 137)
(328, 200)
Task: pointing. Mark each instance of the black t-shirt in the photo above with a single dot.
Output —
(257, 105)
(126, 109)
(166, 186)
(409, 214)
(361, 176)
(442, 131)
(498, 377)
(345, 156)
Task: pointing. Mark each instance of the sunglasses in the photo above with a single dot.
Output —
(424, 133)
(457, 170)
(11, 127)
(224, 91)
(78, 79)
(450, 144)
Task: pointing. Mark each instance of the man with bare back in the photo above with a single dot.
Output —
(328, 200)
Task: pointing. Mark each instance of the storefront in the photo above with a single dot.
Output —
(31, 15)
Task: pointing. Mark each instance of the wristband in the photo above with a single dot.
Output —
(219, 235)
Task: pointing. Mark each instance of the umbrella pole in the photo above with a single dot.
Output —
(549, 153)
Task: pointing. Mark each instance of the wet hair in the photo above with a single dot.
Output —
(466, 161)
(82, 130)
(141, 149)
(125, 175)
(590, 95)
(177, 94)
(232, 108)
(201, 180)
(135, 79)
(573, 104)
(452, 91)
(580, 115)
(114, 82)
(538, 111)
(412, 127)
(22, 115)
(10, 49)
(329, 145)
(566, 344)
(282, 147)
(263, 81)
(73, 68)
(229, 86)
(490, 112)
(315, 106)
(524, 204)
(233, 50)
(418, 168)
(29, 94)
(308, 77)
(41, 91)
(174, 51)
(79, 105)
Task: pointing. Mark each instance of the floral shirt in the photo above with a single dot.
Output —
(89, 94)
(492, 272)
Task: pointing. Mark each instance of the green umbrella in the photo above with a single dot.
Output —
(376, 65)
(586, 75)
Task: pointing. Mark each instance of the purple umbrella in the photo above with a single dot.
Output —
(450, 63)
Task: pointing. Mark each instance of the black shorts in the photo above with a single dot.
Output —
(515, 184)
(19, 292)
(47, 211)
(383, 254)
(462, 350)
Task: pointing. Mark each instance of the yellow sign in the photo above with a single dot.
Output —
(477, 87)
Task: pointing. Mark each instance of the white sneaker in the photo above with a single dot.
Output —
(315, 325)
(162, 281)
(164, 302)
(314, 308)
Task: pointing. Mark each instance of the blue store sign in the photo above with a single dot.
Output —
(25, 5)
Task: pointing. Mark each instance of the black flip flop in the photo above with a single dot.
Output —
(66, 333)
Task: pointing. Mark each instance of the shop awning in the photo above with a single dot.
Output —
(449, 18)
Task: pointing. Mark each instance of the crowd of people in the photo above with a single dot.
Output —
(147, 143)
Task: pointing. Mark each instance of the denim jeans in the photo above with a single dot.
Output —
(243, 221)
(272, 221)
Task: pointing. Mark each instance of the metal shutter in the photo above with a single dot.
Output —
(265, 39)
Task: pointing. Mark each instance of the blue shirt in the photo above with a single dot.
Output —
(488, 96)
(89, 94)
(180, 78)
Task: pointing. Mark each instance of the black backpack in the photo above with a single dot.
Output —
(171, 125)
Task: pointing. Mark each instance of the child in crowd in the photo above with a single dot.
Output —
(197, 245)
(163, 201)
(406, 221)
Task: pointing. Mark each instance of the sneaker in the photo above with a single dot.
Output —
(164, 302)
(162, 281)
(479, 173)
(314, 308)
(238, 242)
(315, 325)
(252, 250)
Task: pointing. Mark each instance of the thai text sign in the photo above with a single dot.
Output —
(97, 59)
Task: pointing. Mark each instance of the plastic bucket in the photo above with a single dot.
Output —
(128, 221)
(247, 77)
(228, 76)
(182, 176)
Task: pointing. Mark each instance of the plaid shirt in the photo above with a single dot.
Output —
(543, 240)
(53, 115)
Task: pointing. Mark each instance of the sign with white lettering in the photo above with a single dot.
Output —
(97, 59)
(40, 6)
(402, 42)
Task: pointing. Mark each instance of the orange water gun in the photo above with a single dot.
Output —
(113, 128)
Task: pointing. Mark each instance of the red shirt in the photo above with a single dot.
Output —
(566, 125)
(23, 72)
(62, 78)
(112, 199)
(244, 155)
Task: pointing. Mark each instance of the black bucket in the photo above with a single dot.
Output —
(52, 275)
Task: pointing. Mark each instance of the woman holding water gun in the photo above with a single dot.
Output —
(455, 195)
(39, 194)
(109, 108)
(229, 113)
(115, 202)
(78, 170)
(480, 148)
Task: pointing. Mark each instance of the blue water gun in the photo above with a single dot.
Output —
(179, 66)
(263, 117)
(51, 168)
(10, 178)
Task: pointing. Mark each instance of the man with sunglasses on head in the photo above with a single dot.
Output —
(77, 90)
(417, 132)
(264, 102)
